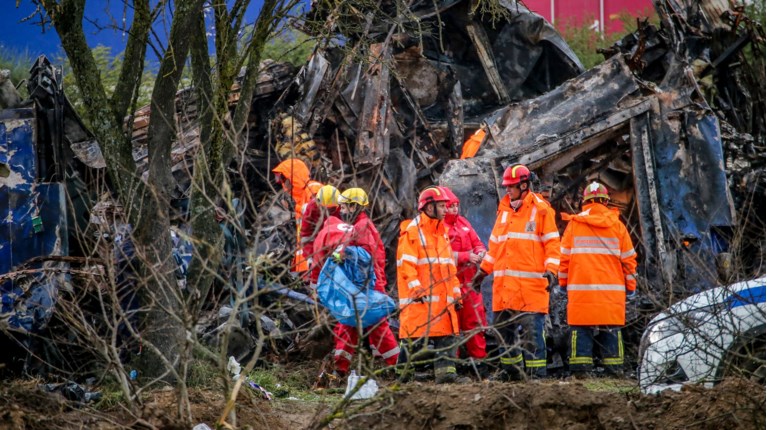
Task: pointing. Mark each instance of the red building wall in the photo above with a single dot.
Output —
(580, 12)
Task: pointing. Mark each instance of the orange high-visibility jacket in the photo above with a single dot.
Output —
(426, 280)
(472, 144)
(523, 245)
(598, 266)
(296, 171)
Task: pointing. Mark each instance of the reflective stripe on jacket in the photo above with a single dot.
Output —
(598, 266)
(426, 280)
(523, 245)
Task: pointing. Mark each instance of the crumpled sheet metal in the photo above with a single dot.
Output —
(680, 186)
(436, 80)
(713, 37)
(27, 297)
(554, 116)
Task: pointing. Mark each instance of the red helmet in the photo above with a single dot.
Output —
(432, 194)
(595, 190)
(451, 197)
(516, 174)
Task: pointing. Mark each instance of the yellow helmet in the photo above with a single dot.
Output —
(354, 195)
(327, 196)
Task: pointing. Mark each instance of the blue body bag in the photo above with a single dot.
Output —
(346, 289)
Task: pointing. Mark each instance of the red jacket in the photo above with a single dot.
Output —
(463, 240)
(311, 224)
(363, 233)
(366, 235)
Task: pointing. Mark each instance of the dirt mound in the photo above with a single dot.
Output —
(25, 406)
(588, 404)
(561, 405)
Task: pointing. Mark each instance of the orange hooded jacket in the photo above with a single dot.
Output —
(524, 244)
(598, 267)
(297, 173)
(426, 280)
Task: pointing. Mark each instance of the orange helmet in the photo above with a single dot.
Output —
(595, 190)
(451, 197)
(516, 174)
(432, 194)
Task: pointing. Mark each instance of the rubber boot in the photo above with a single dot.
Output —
(507, 373)
(444, 373)
(444, 366)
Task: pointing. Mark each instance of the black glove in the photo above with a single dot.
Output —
(476, 282)
(553, 282)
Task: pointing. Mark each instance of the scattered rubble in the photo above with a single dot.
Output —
(673, 122)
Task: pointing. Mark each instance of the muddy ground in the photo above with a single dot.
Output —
(551, 404)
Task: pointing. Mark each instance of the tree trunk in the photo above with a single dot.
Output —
(207, 176)
(165, 318)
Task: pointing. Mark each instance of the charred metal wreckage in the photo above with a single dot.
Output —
(673, 122)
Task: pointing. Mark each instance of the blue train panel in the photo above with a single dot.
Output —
(33, 224)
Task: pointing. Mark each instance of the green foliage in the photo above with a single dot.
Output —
(291, 46)
(283, 383)
(756, 11)
(585, 41)
(109, 68)
(19, 63)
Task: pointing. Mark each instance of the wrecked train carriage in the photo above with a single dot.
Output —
(249, 174)
(658, 149)
(391, 106)
(724, 49)
(43, 197)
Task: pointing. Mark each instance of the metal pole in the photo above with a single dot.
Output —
(552, 11)
(602, 16)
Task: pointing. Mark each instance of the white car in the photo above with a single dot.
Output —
(710, 335)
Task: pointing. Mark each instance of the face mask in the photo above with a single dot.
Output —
(349, 216)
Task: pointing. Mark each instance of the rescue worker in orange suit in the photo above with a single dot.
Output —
(428, 288)
(293, 175)
(523, 257)
(356, 229)
(598, 270)
(468, 251)
(323, 205)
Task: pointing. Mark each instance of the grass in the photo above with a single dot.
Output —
(609, 385)
(202, 374)
(284, 384)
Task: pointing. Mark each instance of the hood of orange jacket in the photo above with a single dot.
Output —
(595, 214)
(296, 171)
